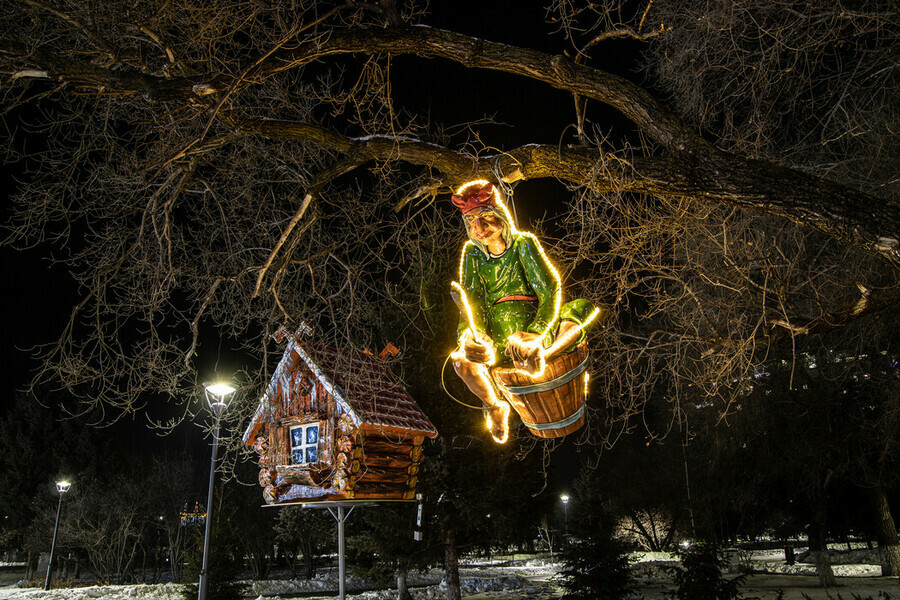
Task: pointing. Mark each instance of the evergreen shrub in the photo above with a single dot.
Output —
(700, 575)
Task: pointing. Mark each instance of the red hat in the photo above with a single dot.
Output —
(474, 197)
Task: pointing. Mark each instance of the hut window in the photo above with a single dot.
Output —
(305, 443)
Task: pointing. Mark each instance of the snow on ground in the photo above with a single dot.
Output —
(522, 576)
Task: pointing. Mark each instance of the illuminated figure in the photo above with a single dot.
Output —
(510, 297)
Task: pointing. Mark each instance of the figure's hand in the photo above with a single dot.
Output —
(524, 348)
(479, 349)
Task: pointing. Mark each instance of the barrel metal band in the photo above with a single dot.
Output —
(556, 424)
(551, 384)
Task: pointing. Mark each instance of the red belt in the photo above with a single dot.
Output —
(517, 297)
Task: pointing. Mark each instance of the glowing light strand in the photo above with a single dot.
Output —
(559, 344)
(472, 332)
(482, 370)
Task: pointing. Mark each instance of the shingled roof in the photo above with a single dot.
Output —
(361, 384)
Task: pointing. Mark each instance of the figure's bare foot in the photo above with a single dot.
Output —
(477, 379)
(498, 421)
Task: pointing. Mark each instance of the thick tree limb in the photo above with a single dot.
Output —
(84, 74)
(846, 214)
(555, 70)
(558, 71)
(692, 166)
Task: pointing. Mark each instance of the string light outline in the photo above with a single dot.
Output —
(482, 370)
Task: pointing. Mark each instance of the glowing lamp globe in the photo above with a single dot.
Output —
(216, 394)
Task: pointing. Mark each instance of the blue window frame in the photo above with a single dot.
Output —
(305, 443)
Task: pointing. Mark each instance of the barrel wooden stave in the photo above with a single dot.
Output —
(551, 405)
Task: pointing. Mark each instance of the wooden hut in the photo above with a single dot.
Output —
(336, 425)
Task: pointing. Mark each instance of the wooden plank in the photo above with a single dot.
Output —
(329, 404)
(366, 476)
(385, 461)
(327, 448)
(389, 461)
(373, 445)
(391, 431)
(281, 446)
(368, 487)
(381, 495)
(382, 471)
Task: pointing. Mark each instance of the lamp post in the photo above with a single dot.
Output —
(216, 394)
(61, 487)
(565, 501)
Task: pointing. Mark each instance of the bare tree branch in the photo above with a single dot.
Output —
(694, 167)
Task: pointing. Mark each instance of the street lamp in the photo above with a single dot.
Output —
(61, 487)
(565, 500)
(216, 394)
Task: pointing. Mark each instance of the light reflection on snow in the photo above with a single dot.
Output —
(522, 577)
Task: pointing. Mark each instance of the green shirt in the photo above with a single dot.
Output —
(520, 271)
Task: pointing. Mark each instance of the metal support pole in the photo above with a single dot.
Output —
(341, 564)
(204, 572)
(417, 534)
(53, 544)
(341, 517)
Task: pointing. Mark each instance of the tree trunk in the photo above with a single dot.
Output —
(451, 558)
(29, 568)
(402, 589)
(817, 546)
(888, 540)
(292, 559)
(174, 557)
(310, 559)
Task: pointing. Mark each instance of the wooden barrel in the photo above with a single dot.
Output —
(551, 405)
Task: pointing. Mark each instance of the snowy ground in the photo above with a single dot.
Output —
(519, 577)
